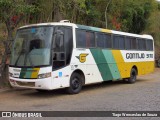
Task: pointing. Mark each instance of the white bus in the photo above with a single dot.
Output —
(50, 56)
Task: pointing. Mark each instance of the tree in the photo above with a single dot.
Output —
(12, 13)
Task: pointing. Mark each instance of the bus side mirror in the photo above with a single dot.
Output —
(58, 39)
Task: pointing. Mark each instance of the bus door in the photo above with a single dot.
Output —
(62, 48)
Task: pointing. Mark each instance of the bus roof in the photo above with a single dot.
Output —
(90, 28)
(113, 31)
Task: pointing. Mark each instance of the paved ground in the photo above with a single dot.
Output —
(144, 95)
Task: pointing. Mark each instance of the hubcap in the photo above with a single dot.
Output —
(75, 83)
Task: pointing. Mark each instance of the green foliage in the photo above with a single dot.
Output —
(132, 15)
(125, 15)
(13, 11)
(135, 16)
(9, 8)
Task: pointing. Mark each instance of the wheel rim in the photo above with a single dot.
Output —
(75, 83)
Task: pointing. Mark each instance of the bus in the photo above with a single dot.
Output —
(48, 56)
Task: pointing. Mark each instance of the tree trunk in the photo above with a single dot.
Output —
(7, 46)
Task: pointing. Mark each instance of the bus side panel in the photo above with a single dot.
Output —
(123, 67)
(144, 66)
(82, 59)
(106, 64)
(61, 77)
(112, 64)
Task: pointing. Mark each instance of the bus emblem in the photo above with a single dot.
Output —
(82, 57)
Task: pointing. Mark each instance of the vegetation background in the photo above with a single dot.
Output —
(134, 16)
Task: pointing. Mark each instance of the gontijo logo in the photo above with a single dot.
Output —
(82, 57)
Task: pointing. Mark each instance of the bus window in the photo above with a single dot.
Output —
(121, 42)
(133, 43)
(149, 45)
(108, 39)
(128, 43)
(100, 40)
(103, 40)
(68, 37)
(90, 40)
(63, 57)
(118, 42)
(115, 42)
(141, 44)
(81, 38)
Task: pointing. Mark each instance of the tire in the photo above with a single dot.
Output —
(133, 76)
(75, 84)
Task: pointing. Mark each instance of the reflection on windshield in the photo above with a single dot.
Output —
(32, 47)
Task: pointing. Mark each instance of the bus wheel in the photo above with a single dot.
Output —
(75, 84)
(133, 76)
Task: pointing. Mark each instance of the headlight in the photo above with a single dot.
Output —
(45, 75)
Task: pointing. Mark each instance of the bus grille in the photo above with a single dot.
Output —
(28, 84)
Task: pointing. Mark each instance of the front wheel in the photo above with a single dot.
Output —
(133, 76)
(75, 84)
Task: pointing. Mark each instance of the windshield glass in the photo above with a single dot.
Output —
(32, 47)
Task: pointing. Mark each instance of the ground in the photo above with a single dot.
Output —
(144, 95)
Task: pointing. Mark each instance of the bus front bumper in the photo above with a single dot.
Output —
(44, 83)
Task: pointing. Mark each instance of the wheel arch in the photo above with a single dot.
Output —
(80, 72)
(135, 67)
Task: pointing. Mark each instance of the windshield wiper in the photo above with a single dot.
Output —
(22, 51)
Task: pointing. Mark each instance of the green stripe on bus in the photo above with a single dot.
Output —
(102, 64)
(89, 28)
(28, 73)
(23, 72)
(106, 64)
(112, 64)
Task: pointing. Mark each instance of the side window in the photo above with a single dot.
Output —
(149, 44)
(141, 44)
(121, 42)
(118, 42)
(108, 39)
(90, 40)
(128, 43)
(115, 42)
(81, 38)
(100, 40)
(58, 45)
(133, 43)
(85, 39)
(62, 57)
(68, 38)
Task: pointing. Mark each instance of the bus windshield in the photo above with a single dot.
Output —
(32, 47)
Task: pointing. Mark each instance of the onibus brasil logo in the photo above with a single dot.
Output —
(82, 57)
